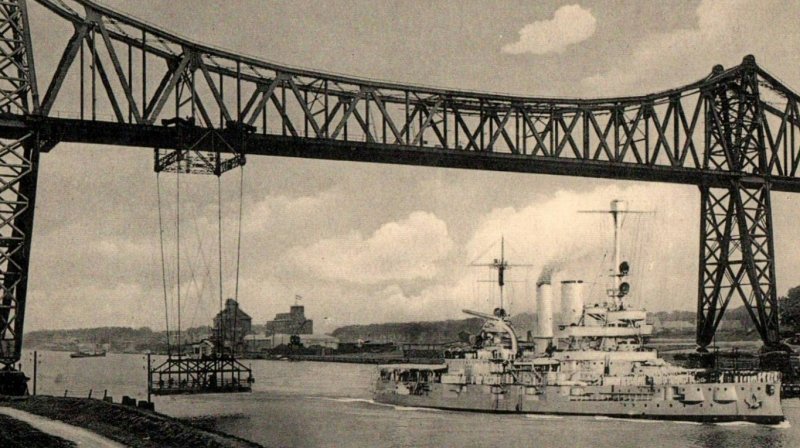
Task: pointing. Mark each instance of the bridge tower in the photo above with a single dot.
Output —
(19, 166)
(736, 240)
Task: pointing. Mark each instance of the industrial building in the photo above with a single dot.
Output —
(232, 324)
(293, 322)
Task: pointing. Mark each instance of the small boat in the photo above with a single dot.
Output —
(87, 354)
(96, 353)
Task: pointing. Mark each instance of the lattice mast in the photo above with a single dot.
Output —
(736, 237)
(19, 165)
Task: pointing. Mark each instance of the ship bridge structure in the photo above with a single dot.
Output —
(119, 81)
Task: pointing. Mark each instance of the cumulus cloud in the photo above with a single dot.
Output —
(552, 229)
(571, 24)
(289, 212)
(402, 250)
(725, 31)
(661, 249)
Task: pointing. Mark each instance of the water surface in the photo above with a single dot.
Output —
(307, 404)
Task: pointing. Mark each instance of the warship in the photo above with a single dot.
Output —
(595, 362)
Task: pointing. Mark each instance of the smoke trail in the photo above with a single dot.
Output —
(550, 268)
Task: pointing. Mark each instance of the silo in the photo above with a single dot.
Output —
(571, 301)
(544, 310)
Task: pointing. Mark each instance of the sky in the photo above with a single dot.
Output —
(364, 243)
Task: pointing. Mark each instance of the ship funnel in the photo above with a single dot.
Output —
(571, 301)
(544, 310)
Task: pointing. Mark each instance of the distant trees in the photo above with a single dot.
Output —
(410, 332)
(676, 315)
(119, 339)
(790, 310)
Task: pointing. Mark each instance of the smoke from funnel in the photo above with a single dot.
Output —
(550, 268)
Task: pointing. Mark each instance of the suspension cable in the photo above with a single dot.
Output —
(238, 257)
(220, 331)
(178, 247)
(163, 261)
(239, 231)
(219, 237)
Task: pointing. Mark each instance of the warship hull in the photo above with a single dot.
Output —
(717, 402)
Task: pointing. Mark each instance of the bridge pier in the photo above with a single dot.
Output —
(19, 166)
(736, 240)
(737, 259)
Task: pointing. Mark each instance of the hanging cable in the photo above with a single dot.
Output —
(178, 247)
(163, 261)
(203, 270)
(239, 232)
(219, 236)
(220, 344)
(238, 257)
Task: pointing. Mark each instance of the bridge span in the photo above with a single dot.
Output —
(120, 81)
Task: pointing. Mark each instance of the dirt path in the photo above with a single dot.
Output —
(122, 425)
(79, 436)
(17, 434)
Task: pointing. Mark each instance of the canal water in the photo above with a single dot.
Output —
(309, 404)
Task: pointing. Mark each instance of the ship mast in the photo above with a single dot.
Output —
(501, 265)
(618, 207)
(615, 211)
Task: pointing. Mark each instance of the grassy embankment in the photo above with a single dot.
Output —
(17, 434)
(127, 425)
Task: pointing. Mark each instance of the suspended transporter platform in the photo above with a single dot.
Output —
(198, 375)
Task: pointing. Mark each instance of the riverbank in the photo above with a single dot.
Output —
(17, 434)
(127, 425)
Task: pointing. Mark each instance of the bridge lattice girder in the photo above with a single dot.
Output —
(119, 77)
(733, 133)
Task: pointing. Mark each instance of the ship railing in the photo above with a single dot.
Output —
(746, 377)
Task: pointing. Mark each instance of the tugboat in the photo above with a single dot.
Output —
(95, 353)
(594, 363)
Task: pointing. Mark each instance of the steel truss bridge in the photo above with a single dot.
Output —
(120, 81)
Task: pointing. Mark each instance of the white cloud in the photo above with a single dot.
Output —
(725, 32)
(288, 212)
(554, 230)
(570, 25)
(661, 248)
(402, 250)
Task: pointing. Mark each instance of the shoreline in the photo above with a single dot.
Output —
(127, 425)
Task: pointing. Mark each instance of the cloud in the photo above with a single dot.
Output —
(661, 252)
(658, 246)
(286, 211)
(402, 250)
(570, 25)
(725, 32)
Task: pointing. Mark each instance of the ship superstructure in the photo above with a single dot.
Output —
(594, 362)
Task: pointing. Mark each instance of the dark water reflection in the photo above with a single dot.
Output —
(328, 405)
